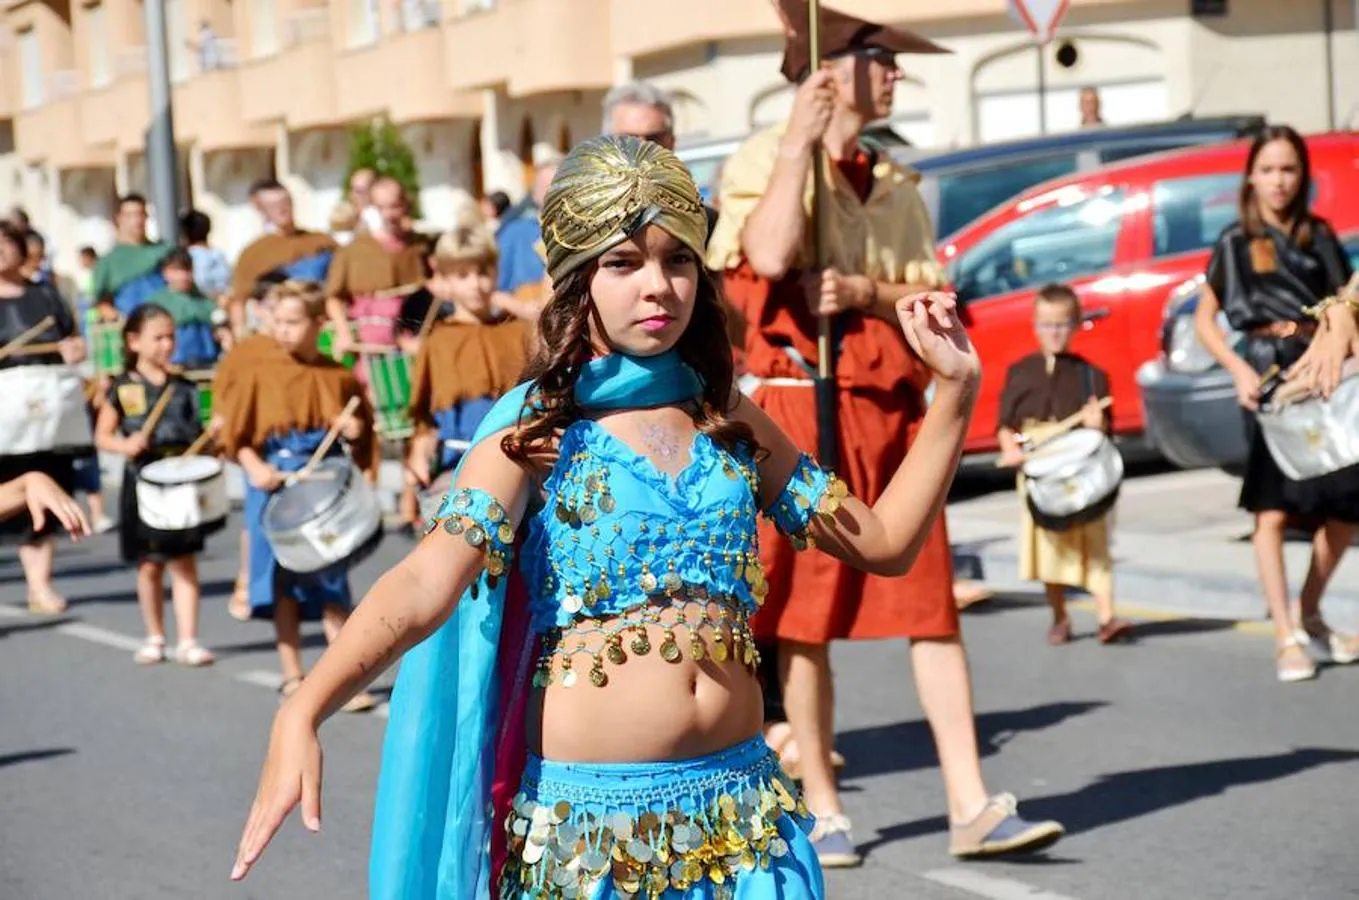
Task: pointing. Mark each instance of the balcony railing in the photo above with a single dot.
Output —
(307, 26)
(63, 83)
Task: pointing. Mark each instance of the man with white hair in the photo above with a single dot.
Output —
(641, 110)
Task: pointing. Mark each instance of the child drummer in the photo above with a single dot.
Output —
(1041, 390)
(468, 358)
(277, 414)
(145, 392)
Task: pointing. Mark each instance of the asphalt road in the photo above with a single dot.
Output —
(1181, 769)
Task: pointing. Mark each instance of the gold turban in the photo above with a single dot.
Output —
(609, 187)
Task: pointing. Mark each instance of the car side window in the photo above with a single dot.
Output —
(967, 194)
(1190, 213)
(1053, 243)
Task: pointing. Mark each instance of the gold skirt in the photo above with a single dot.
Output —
(1078, 557)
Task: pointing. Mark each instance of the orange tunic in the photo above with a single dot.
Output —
(876, 226)
(460, 361)
(275, 393)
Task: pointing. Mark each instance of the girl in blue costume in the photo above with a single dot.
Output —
(618, 638)
(279, 411)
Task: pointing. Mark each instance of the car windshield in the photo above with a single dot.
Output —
(965, 195)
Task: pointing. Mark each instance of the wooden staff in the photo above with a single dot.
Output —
(157, 411)
(827, 401)
(27, 336)
(400, 290)
(332, 435)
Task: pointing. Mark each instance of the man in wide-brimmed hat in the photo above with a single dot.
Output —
(878, 247)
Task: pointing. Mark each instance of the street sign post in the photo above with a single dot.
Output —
(1041, 17)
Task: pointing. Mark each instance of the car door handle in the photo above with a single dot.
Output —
(1091, 316)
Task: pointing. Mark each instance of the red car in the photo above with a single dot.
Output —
(1123, 237)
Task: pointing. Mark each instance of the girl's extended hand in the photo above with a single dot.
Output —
(45, 497)
(936, 334)
(291, 775)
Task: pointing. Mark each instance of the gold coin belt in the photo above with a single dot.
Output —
(727, 626)
(564, 850)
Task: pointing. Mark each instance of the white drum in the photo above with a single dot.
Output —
(1072, 479)
(182, 493)
(330, 519)
(42, 409)
(1310, 437)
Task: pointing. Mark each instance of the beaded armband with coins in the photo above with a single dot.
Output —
(483, 523)
(811, 491)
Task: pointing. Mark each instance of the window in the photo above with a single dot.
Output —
(965, 195)
(1190, 213)
(177, 37)
(1055, 243)
(97, 30)
(30, 60)
(363, 22)
(263, 28)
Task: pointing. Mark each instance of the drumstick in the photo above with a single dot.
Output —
(156, 412)
(435, 307)
(46, 323)
(197, 446)
(35, 349)
(1067, 424)
(332, 434)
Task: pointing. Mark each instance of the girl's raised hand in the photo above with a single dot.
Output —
(932, 327)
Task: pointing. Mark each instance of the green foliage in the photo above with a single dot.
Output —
(378, 145)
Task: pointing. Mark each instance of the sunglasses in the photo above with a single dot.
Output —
(656, 137)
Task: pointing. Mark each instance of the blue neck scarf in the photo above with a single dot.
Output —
(432, 824)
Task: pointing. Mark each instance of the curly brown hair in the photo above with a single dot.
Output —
(564, 347)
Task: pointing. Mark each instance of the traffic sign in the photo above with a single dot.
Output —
(1041, 17)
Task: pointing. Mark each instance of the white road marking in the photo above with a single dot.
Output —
(97, 635)
(973, 882)
(260, 678)
(13, 612)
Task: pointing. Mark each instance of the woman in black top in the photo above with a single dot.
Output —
(24, 304)
(1266, 268)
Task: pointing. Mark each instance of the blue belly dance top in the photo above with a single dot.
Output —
(617, 546)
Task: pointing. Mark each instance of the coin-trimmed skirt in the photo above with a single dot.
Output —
(726, 826)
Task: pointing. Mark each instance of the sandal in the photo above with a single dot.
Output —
(239, 604)
(1060, 633)
(151, 652)
(360, 702)
(1115, 630)
(46, 602)
(1299, 668)
(1325, 645)
(193, 654)
(289, 686)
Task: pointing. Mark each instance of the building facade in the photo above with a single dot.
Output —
(481, 87)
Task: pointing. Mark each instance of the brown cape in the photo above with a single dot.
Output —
(364, 266)
(270, 252)
(460, 361)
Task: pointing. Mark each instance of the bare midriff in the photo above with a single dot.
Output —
(680, 686)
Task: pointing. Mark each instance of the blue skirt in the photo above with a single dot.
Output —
(726, 826)
(268, 580)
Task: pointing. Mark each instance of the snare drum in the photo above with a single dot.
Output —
(1072, 479)
(1310, 437)
(181, 494)
(106, 346)
(325, 342)
(389, 375)
(329, 520)
(42, 410)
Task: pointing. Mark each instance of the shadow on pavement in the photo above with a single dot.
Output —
(1121, 796)
(908, 746)
(1129, 795)
(1174, 627)
(14, 759)
(33, 625)
(208, 589)
(311, 640)
(67, 569)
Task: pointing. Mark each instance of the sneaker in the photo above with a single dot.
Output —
(103, 525)
(998, 830)
(833, 843)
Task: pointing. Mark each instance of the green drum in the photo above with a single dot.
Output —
(389, 377)
(325, 341)
(105, 345)
(204, 403)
